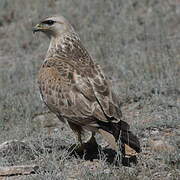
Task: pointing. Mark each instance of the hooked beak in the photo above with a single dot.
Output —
(38, 27)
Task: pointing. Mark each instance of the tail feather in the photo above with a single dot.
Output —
(121, 130)
(130, 139)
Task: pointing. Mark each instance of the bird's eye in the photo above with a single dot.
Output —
(48, 22)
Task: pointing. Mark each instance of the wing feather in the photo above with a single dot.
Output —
(104, 95)
(74, 94)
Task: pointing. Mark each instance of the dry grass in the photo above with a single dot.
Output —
(136, 42)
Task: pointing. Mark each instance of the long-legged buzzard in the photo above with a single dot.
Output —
(75, 88)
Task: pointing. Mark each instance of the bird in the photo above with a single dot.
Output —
(74, 87)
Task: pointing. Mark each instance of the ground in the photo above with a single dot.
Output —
(137, 44)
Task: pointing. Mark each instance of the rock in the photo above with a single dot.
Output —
(47, 120)
(160, 145)
(18, 170)
(154, 131)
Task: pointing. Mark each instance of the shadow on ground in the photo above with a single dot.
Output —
(95, 151)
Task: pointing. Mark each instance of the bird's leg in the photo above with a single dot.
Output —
(91, 145)
(77, 131)
(92, 139)
(80, 142)
(79, 147)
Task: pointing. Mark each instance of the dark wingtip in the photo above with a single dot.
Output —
(131, 140)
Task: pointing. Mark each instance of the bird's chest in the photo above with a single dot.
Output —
(56, 85)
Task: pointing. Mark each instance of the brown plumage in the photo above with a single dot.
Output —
(75, 88)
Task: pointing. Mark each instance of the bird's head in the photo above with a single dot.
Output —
(54, 26)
